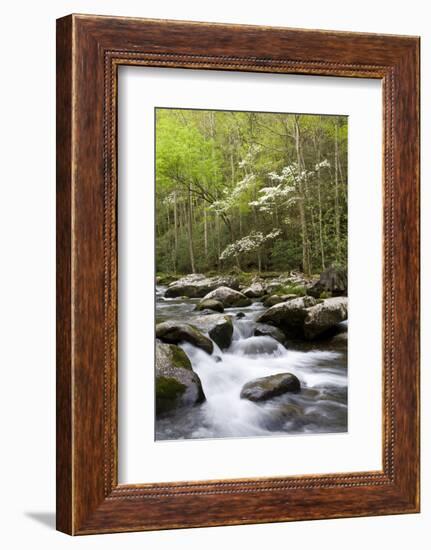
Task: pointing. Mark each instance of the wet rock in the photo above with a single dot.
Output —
(288, 316)
(280, 416)
(325, 316)
(256, 345)
(339, 340)
(267, 387)
(333, 281)
(240, 315)
(173, 332)
(197, 285)
(336, 339)
(228, 297)
(297, 278)
(213, 305)
(207, 312)
(176, 383)
(222, 334)
(218, 327)
(278, 299)
(268, 330)
(255, 290)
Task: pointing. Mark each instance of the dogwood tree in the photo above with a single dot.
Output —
(251, 243)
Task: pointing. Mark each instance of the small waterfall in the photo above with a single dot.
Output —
(243, 329)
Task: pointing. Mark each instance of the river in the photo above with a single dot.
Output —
(320, 406)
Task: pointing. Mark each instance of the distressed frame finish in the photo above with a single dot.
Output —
(89, 51)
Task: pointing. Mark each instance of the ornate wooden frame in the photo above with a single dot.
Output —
(89, 51)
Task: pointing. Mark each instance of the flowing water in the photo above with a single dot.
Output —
(320, 406)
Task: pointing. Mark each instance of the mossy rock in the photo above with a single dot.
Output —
(278, 299)
(166, 278)
(168, 388)
(214, 305)
(297, 290)
(172, 332)
(176, 384)
(180, 358)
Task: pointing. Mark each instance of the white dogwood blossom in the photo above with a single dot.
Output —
(250, 243)
(253, 150)
(323, 164)
(231, 197)
(287, 180)
(270, 196)
(169, 199)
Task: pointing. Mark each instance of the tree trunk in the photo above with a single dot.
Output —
(319, 200)
(190, 232)
(301, 203)
(337, 199)
(175, 232)
(205, 235)
(218, 240)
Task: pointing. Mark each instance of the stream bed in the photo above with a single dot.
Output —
(320, 406)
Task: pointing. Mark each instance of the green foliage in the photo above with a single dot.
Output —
(227, 180)
(299, 290)
(182, 152)
(286, 254)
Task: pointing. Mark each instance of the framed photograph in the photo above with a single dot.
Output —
(237, 274)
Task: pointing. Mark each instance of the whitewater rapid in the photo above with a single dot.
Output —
(320, 407)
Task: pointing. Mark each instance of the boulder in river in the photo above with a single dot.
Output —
(256, 345)
(288, 316)
(338, 341)
(324, 316)
(268, 330)
(214, 305)
(176, 383)
(333, 280)
(267, 387)
(218, 327)
(278, 299)
(197, 285)
(228, 297)
(255, 290)
(207, 312)
(173, 332)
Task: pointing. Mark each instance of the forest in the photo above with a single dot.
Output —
(250, 191)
